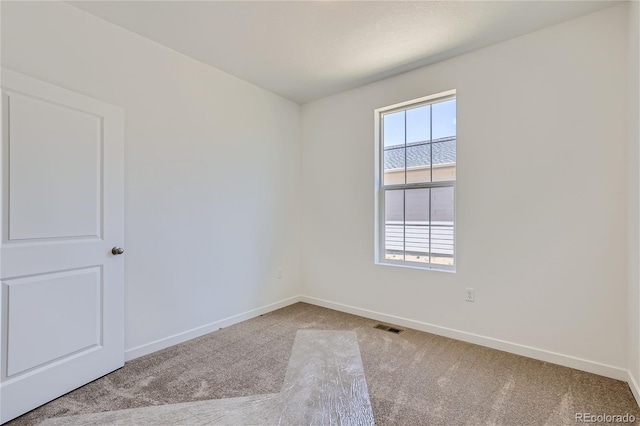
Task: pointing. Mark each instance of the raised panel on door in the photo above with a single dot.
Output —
(55, 170)
(52, 316)
(62, 310)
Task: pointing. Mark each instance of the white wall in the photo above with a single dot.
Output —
(541, 197)
(634, 195)
(212, 168)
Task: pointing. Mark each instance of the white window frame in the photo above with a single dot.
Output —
(380, 187)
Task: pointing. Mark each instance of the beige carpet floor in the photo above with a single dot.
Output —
(324, 384)
(413, 378)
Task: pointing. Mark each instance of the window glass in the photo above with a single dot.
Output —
(418, 144)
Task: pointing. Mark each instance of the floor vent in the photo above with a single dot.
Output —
(387, 328)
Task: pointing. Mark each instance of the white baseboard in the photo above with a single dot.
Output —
(165, 342)
(635, 389)
(515, 348)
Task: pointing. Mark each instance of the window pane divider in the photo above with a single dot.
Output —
(418, 185)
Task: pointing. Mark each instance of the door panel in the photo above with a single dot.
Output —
(55, 176)
(42, 305)
(62, 289)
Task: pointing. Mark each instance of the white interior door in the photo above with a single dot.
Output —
(62, 310)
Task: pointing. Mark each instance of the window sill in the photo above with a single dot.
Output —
(451, 270)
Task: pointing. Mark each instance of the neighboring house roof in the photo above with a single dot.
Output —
(444, 152)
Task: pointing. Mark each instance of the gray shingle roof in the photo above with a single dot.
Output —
(444, 151)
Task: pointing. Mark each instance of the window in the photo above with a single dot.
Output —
(416, 176)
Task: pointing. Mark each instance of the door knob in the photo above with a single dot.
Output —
(117, 250)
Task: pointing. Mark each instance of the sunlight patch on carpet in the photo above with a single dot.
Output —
(324, 384)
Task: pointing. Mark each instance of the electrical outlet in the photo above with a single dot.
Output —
(471, 294)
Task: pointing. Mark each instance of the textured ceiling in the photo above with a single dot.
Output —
(310, 49)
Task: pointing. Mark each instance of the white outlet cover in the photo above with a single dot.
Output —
(471, 295)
